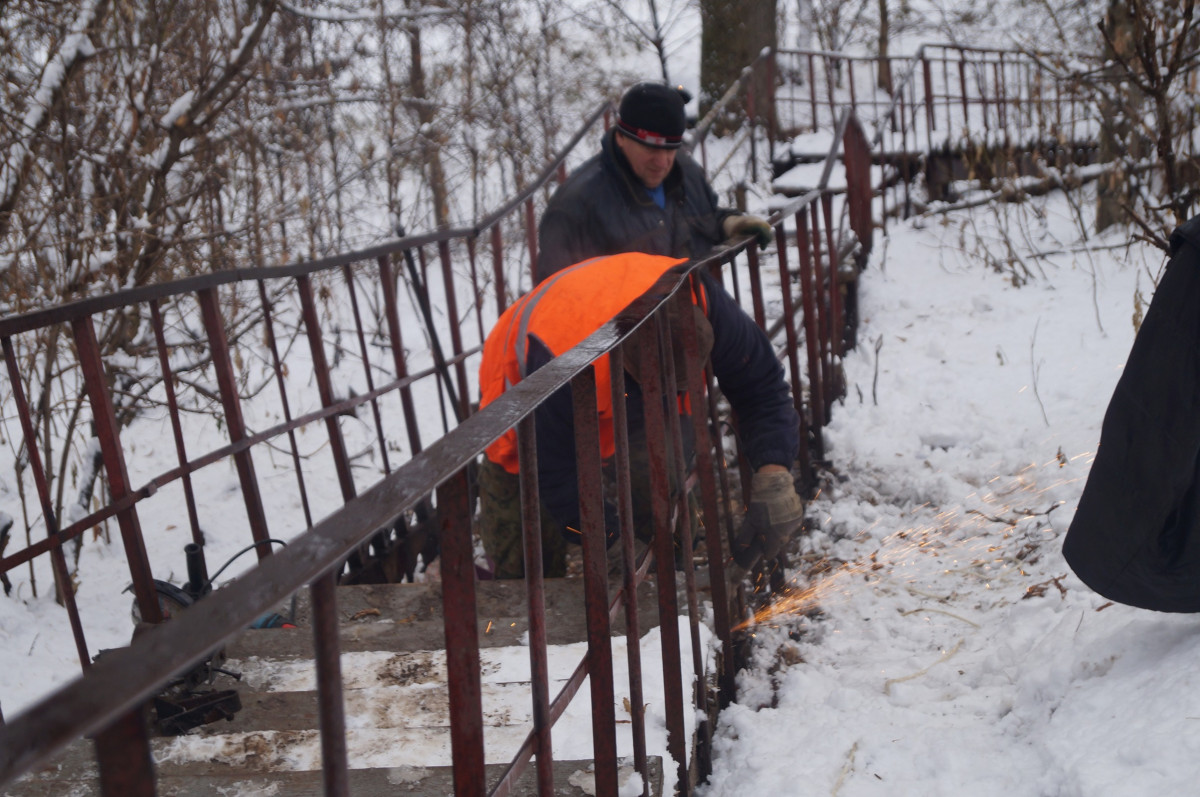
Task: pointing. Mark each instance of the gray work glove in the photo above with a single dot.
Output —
(734, 226)
(772, 517)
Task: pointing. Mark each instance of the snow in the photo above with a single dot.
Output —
(949, 649)
(75, 46)
(397, 714)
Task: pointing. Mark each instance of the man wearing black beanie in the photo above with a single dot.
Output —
(641, 193)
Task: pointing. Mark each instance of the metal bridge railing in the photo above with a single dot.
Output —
(941, 95)
(178, 353)
(946, 112)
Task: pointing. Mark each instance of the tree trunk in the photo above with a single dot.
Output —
(884, 77)
(733, 33)
(1113, 189)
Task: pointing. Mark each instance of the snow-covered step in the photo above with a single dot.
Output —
(396, 701)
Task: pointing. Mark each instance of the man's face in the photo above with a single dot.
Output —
(650, 164)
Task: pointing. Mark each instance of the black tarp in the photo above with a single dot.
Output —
(1135, 538)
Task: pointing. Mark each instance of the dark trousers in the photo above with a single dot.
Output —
(500, 515)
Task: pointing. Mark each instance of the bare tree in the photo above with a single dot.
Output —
(149, 140)
(1155, 49)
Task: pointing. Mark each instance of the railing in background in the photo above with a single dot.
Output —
(940, 96)
(946, 113)
(341, 316)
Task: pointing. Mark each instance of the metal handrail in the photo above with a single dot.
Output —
(114, 686)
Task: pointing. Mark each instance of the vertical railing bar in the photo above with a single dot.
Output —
(105, 419)
(962, 87)
(664, 548)
(812, 90)
(595, 578)
(476, 291)
(946, 88)
(58, 562)
(830, 89)
(330, 699)
(811, 333)
(333, 428)
(705, 466)
(836, 336)
(462, 636)
(906, 181)
(683, 302)
(316, 344)
(498, 279)
(387, 278)
(365, 353)
(793, 353)
(853, 92)
(733, 278)
(285, 405)
(633, 636)
(123, 757)
(772, 104)
(539, 667)
(531, 240)
(714, 434)
(981, 81)
(218, 347)
(444, 384)
(822, 311)
(930, 115)
(756, 291)
(1002, 95)
(454, 321)
(164, 363)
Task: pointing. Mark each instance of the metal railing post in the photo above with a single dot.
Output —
(123, 757)
(462, 636)
(595, 579)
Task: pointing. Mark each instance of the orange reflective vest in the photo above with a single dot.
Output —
(560, 312)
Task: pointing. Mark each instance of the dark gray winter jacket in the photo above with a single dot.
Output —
(603, 209)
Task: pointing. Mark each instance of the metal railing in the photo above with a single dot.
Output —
(940, 96)
(182, 356)
(945, 113)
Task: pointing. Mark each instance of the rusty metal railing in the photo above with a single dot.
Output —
(181, 349)
(940, 95)
(179, 352)
(947, 112)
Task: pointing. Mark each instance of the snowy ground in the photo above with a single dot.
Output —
(937, 642)
(947, 649)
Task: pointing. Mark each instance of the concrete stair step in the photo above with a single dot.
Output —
(397, 707)
(570, 780)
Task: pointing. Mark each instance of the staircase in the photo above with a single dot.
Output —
(396, 702)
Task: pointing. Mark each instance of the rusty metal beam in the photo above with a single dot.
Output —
(595, 579)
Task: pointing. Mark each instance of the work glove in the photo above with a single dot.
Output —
(749, 225)
(773, 516)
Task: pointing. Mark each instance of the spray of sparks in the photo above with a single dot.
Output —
(978, 542)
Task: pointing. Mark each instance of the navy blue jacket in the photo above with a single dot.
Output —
(745, 367)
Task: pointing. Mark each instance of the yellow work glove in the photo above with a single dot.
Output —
(773, 515)
(749, 225)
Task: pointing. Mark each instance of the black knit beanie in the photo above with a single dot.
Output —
(652, 114)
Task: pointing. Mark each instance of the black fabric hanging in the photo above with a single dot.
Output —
(1135, 538)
